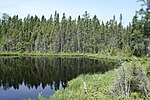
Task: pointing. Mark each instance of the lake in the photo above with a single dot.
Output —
(26, 77)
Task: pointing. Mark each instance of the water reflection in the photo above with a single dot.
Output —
(54, 73)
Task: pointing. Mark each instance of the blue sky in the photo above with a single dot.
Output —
(104, 9)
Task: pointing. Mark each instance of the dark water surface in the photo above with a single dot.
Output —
(26, 77)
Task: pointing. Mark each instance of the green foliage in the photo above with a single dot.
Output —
(86, 87)
(84, 35)
(105, 86)
(131, 81)
(141, 28)
(20, 47)
(137, 44)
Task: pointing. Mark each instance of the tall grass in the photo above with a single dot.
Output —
(108, 86)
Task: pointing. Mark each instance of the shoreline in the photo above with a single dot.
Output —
(90, 80)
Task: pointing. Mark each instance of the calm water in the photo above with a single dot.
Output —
(25, 77)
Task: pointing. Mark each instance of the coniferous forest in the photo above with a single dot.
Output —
(85, 34)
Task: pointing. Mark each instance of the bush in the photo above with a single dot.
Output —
(131, 79)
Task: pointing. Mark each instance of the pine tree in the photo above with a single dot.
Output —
(137, 42)
(95, 35)
(63, 32)
(144, 27)
(79, 34)
(86, 20)
(68, 35)
(50, 34)
(56, 40)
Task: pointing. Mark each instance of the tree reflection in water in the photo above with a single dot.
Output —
(34, 71)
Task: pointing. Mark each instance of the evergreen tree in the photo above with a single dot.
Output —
(56, 39)
(137, 42)
(82, 35)
(63, 32)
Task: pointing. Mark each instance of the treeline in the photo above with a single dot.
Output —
(82, 35)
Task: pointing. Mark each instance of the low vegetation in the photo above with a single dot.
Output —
(127, 82)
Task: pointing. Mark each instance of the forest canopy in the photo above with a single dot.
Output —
(84, 34)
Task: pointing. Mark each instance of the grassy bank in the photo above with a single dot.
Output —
(87, 87)
(60, 55)
(105, 86)
(38, 54)
(70, 55)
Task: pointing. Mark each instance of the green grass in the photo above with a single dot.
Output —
(86, 87)
(73, 55)
(95, 87)
(63, 55)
